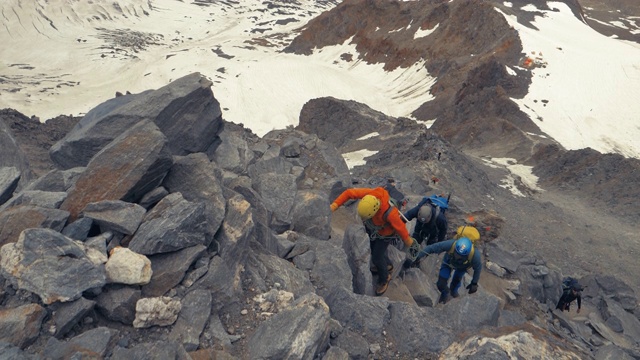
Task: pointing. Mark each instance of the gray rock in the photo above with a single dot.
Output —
(66, 315)
(44, 251)
(131, 165)
(152, 197)
(277, 270)
(194, 177)
(278, 192)
(510, 318)
(355, 345)
(92, 343)
(612, 352)
(173, 224)
(20, 326)
(356, 246)
(473, 311)
(56, 180)
(157, 350)
(170, 268)
(11, 352)
(233, 154)
(415, 332)
(421, 287)
(236, 232)
(311, 214)
(219, 281)
(46, 199)
(79, 229)
(115, 215)
(118, 303)
(330, 269)
(16, 219)
(504, 258)
(361, 313)
(13, 156)
(9, 178)
(298, 332)
(291, 147)
(196, 308)
(336, 353)
(185, 111)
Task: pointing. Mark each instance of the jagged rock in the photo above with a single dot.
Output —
(356, 246)
(336, 353)
(236, 232)
(67, 315)
(93, 343)
(276, 270)
(330, 268)
(45, 199)
(421, 288)
(353, 344)
(96, 248)
(127, 168)
(503, 258)
(612, 352)
(127, 267)
(118, 303)
(20, 326)
(44, 251)
(115, 215)
(9, 351)
(233, 154)
(194, 176)
(300, 331)
(618, 319)
(196, 308)
(56, 180)
(173, 224)
(185, 111)
(361, 313)
(16, 219)
(12, 155)
(169, 269)
(278, 192)
(220, 281)
(615, 287)
(159, 350)
(157, 311)
(152, 197)
(79, 229)
(414, 332)
(473, 311)
(510, 318)
(540, 282)
(9, 178)
(311, 214)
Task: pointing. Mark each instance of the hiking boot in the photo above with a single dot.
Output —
(374, 269)
(455, 294)
(443, 298)
(383, 287)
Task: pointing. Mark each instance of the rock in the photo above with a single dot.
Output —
(157, 311)
(127, 267)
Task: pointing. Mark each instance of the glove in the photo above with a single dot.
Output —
(413, 250)
(472, 288)
(334, 206)
(407, 264)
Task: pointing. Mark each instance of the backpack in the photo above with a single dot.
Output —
(396, 199)
(440, 203)
(568, 283)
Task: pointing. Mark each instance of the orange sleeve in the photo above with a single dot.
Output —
(398, 225)
(352, 194)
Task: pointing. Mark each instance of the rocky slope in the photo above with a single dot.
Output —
(232, 252)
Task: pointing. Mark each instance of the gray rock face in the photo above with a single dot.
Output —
(12, 155)
(415, 332)
(311, 214)
(130, 166)
(16, 219)
(173, 224)
(118, 303)
(169, 269)
(21, 326)
(298, 332)
(44, 251)
(67, 315)
(364, 314)
(9, 177)
(115, 215)
(185, 111)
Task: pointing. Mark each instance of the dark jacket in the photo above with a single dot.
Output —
(568, 297)
(475, 262)
(433, 231)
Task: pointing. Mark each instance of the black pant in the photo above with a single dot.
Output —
(380, 259)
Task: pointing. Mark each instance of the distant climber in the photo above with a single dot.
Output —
(571, 291)
(431, 221)
(435, 180)
(460, 256)
(383, 224)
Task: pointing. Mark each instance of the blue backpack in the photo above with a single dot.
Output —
(440, 202)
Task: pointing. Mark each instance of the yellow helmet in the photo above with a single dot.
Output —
(368, 206)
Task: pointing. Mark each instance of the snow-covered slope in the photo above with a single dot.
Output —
(65, 57)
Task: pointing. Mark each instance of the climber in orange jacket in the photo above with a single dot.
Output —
(384, 225)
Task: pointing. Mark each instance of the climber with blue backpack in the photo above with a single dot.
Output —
(431, 222)
(384, 224)
(460, 255)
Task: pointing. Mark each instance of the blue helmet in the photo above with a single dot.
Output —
(463, 246)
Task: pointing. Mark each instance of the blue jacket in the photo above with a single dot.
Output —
(433, 231)
(439, 247)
